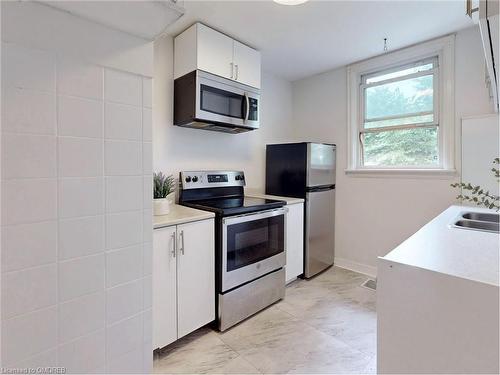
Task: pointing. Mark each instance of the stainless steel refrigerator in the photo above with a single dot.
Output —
(307, 170)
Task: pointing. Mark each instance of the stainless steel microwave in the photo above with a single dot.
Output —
(206, 101)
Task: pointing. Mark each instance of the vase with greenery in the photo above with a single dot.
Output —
(479, 196)
(163, 186)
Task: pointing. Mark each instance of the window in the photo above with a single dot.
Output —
(401, 118)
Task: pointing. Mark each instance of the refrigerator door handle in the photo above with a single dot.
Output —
(320, 188)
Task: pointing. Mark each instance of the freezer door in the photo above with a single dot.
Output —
(319, 233)
(320, 164)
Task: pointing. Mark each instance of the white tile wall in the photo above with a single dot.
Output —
(76, 214)
(147, 92)
(147, 226)
(148, 192)
(27, 335)
(147, 295)
(148, 259)
(28, 68)
(123, 122)
(28, 156)
(79, 117)
(28, 290)
(27, 111)
(123, 88)
(88, 311)
(147, 120)
(80, 157)
(147, 158)
(124, 265)
(80, 236)
(129, 363)
(80, 197)
(124, 193)
(80, 79)
(123, 158)
(28, 245)
(43, 359)
(123, 301)
(124, 336)
(123, 229)
(84, 355)
(81, 276)
(25, 201)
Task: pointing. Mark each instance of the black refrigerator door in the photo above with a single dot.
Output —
(286, 169)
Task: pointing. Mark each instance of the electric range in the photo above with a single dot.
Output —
(250, 242)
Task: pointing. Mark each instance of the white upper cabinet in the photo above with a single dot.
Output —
(215, 52)
(203, 48)
(246, 64)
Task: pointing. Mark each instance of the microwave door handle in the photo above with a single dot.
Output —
(246, 107)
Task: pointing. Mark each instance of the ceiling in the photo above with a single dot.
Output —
(303, 40)
(143, 18)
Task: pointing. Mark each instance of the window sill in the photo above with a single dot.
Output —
(402, 173)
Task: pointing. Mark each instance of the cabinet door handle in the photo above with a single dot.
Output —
(174, 244)
(181, 235)
(232, 70)
(237, 70)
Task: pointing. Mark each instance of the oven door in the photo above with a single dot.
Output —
(252, 246)
(223, 101)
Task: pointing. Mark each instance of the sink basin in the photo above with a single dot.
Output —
(482, 216)
(487, 226)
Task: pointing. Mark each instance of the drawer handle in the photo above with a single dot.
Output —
(181, 235)
(174, 244)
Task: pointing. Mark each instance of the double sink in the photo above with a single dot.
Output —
(487, 222)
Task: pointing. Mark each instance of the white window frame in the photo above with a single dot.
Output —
(442, 48)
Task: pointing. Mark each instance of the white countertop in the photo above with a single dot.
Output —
(288, 200)
(180, 215)
(437, 246)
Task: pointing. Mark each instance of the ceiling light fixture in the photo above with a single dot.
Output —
(290, 2)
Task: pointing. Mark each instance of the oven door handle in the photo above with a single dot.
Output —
(254, 216)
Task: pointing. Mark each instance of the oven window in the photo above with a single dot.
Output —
(253, 241)
(221, 102)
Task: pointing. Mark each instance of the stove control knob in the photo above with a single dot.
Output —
(237, 178)
(188, 179)
(195, 179)
(242, 177)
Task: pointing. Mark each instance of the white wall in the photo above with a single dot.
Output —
(176, 149)
(373, 215)
(76, 197)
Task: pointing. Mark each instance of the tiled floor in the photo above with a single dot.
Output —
(324, 325)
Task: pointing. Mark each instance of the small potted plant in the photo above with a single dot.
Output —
(163, 186)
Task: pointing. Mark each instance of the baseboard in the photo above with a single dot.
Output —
(356, 267)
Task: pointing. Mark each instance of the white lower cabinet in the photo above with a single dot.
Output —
(183, 280)
(294, 241)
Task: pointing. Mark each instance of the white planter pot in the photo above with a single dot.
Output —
(161, 206)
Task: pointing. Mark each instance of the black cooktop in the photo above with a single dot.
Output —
(234, 205)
